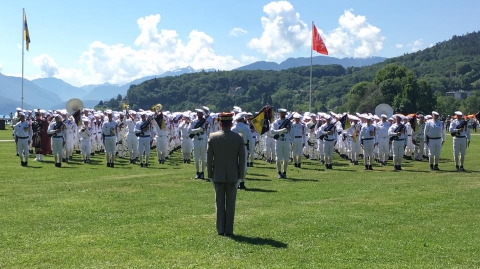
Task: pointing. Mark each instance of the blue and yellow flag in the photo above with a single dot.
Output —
(26, 34)
(261, 122)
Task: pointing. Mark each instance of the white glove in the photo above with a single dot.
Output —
(284, 130)
(238, 183)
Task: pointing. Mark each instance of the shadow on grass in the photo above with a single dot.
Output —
(258, 179)
(302, 179)
(259, 241)
(259, 190)
(260, 175)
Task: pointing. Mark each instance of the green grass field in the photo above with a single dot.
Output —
(91, 216)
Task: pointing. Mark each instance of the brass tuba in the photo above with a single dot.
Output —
(157, 107)
(384, 109)
(73, 105)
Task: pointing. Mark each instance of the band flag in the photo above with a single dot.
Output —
(317, 42)
(261, 122)
(26, 34)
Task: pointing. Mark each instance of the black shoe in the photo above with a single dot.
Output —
(163, 161)
(280, 176)
(330, 166)
(355, 163)
(202, 175)
(322, 161)
(141, 164)
(242, 186)
(299, 165)
(295, 165)
(400, 167)
(184, 160)
(461, 168)
(22, 163)
(251, 164)
(30, 151)
(370, 167)
(145, 165)
(431, 167)
(197, 176)
(59, 164)
(457, 168)
(108, 164)
(112, 165)
(435, 167)
(188, 160)
(396, 167)
(92, 154)
(284, 175)
(366, 167)
(70, 157)
(221, 234)
(229, 235)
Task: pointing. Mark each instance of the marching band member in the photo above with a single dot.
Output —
(281, 131)
(368, 137)
(328, 134)
(187, 143)
(162, 137)
(198, 131)
(242, 129)
(109, 131)
(84, 135)
(434, 137)
(383, 139)
(132, 141)
(297, 132)
(142, 130)
(397, 133)
(461, 139)
(23, 135)
(122, 135)
(418, 139)
(57, 130)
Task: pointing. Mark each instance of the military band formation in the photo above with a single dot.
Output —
(376, 139)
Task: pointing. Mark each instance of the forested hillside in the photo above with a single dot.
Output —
(410, 83)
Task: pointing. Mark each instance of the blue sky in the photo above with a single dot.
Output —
(92, 42)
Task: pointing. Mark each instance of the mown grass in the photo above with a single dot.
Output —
(91, 216)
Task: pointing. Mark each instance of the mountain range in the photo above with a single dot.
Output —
(52, 93)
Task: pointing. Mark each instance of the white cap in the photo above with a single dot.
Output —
(383, 116)
(239, 116)
(296, 116)
(199, 110)
(282, 110)
(435, 113)
(237, 109)
(206, 108)
(458, 113)
(84, 118)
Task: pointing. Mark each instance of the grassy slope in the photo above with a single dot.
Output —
(89, 216)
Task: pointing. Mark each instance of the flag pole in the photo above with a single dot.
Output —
(311, 64)
(23, 41)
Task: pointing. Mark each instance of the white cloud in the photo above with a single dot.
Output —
(154, 52)
(399, 46)
(283, 31)
(237, 32)
(248, 59)
(416, 45)
(47, 65)
(354, 33)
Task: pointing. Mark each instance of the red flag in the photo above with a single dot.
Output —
(317, 42)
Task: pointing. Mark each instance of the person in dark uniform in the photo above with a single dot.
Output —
(225, 169)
